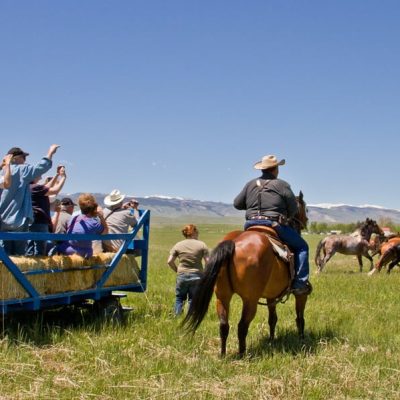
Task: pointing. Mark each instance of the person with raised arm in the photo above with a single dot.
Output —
(16, 211)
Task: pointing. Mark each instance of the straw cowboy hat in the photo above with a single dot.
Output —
(115, 197)
(269, 161)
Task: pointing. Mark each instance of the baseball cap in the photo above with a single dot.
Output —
(17, 151)
(67, 201)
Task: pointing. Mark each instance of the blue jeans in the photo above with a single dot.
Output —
(37, 247)
(15, 247)
(296, 243)
(186, 285)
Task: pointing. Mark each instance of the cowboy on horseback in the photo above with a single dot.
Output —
(270, 201)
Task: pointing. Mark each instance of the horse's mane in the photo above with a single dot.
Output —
(363, 226)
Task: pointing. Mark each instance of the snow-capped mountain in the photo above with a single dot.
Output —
(174, 207)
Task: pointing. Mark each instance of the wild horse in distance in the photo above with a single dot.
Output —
(356, 244)
(246, 263)
(390, 253)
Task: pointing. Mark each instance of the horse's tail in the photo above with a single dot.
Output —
(318, 251)
(201, 300)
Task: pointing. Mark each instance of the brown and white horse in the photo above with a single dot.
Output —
(356, 244)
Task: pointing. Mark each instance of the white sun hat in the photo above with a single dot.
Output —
(114, 198)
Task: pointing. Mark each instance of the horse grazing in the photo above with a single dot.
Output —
(245, 263)
(356, 244)
(390, 252)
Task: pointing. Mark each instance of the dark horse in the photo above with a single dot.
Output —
(245, 263)
(356, 244)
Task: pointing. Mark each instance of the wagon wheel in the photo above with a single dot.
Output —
(109, 309)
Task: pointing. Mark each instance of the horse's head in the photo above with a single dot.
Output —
(299, 221)
(369, 227)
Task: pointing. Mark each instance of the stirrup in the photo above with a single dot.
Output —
(307, 289)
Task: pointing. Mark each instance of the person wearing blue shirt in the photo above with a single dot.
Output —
(15, 202)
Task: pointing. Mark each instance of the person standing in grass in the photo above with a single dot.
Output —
(190, 252)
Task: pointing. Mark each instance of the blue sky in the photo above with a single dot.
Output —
(181, 98)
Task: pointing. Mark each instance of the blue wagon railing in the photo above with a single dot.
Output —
(37, 301)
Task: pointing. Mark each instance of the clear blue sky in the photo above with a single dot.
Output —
(181, 98)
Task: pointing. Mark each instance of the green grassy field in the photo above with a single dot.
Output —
(351, 349)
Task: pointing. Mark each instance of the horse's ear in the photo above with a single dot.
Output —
(301, 195)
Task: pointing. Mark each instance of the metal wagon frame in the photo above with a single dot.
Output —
(99, 292)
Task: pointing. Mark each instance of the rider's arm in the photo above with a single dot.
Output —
(240, 200)
(291, 202)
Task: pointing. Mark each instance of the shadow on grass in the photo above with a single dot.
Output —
(46, 327)
(290, 342)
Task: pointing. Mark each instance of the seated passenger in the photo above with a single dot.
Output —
(16, 211)
(62, 215)
(120, 218)
(41, 210)
(91, 221)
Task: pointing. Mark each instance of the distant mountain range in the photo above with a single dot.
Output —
(331, 213)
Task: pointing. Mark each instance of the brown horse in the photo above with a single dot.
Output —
(390, 252)
(356, 244)
(245, 263)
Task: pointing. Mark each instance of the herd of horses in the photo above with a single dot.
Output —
(247, 263)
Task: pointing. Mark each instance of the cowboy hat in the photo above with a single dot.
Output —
(115, 197)
(269, 161)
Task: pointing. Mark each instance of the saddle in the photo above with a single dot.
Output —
(280, 248)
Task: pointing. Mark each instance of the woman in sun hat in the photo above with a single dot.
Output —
(120, 217)
(270, 201)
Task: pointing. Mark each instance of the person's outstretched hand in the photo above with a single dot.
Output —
(53, 148)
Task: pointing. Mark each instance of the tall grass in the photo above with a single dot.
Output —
(351, 348)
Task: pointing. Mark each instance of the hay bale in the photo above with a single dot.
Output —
(126, 272)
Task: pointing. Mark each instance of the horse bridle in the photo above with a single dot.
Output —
(300, 223)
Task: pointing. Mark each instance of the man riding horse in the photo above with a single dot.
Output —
(270, 201)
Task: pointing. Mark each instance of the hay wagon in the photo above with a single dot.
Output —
(39, 283)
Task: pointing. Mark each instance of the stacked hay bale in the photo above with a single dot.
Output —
(77, 274)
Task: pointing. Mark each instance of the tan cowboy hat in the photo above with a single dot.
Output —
(269, 161)
(115, 197)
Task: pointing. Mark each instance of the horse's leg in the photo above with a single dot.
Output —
(366, 255)
(321, 260)
(248, 312)
(328, 256)
(371, 261)
(272, 320)
(223, 315)
(300, 307)
(393, 264)
(360, 263)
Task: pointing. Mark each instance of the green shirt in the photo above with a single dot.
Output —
(190, 253)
